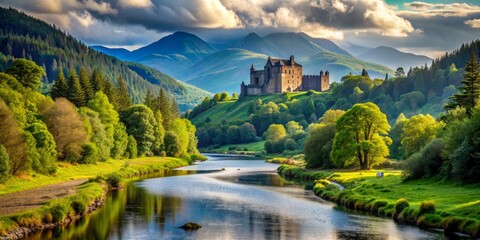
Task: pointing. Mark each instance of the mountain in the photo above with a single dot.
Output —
(341, 65)
(120, 53)
(255, 43)
(25, 36)
(224, 70)
(354, 49)
(325, 44)
(394, 58)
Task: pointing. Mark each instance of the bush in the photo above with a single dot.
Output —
(79, 205)
(400, 205)
(132, 150)
(427, 207)
(426, 163)
(59, 212)
(89, 154)
(113, 180)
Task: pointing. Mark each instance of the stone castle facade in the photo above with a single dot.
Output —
(283, 75)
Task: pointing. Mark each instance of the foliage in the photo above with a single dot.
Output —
(113, 180)
(396, 134)
(4, 164)
(90, 153)
(274, 138)
(131, 151)
(97, 135)
(27, 73)
(319, 142)
(361, 137)
(172, 144)
(140, 123)
(67, 128)
(470, 86)
(425, 163)
(11, 138)
(417, 132)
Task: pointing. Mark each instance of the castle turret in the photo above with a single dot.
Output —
(292, 60)
(252, 69)
(321, 73)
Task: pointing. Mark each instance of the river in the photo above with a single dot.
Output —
(246, 200)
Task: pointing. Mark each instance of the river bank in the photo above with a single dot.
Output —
(424, 203)
(87, 198)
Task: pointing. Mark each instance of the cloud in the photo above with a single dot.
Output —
(427, 10)
(474, 23)
(136, 3)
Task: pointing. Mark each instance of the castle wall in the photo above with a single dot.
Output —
(257, 77)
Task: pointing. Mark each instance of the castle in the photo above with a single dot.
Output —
(283, 75)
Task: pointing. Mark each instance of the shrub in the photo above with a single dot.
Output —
(429, 220)
(89, 154)
(79, 205)
(113, 180)
(59, 212)
(427, 207)
(426, 163)
(400, 205)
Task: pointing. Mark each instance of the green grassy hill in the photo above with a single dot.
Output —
(237, 110)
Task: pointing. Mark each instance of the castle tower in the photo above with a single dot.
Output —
(292, 60)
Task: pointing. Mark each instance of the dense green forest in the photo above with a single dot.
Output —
(421, 116)
(22, 36)
(86, 120)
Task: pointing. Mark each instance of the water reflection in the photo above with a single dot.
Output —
(245, 201)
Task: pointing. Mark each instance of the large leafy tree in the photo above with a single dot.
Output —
(27, 72)
(107, 114)
(11, 138)
(361, 138)
(67, 128)
(319, 142)
(469, 88)
(140, 123)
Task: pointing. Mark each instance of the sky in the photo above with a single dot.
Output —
(429, 27)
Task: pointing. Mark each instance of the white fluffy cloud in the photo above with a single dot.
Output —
(474, 23)
(136, 3)
(424, 9)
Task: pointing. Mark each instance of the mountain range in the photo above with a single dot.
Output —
(22, 36)
(222, 67)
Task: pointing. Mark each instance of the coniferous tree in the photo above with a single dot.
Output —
(123, 98)
(150, 100)
(163, 104)
(97, 80)
(60, 87)
(111, 93)
(469, 88)
(86, 84)
(75, 91)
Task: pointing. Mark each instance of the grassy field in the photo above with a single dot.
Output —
(237, 110)
(67, 171)
(59, 210)
(249, 148)
(452, 206)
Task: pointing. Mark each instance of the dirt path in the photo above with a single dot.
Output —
(24, 200)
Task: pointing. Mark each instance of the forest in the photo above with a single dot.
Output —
(424, 120)
(84, 119)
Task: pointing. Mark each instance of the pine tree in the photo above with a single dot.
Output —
(86, 84)
(123, 98)
(98, 81)
(75, 91)
(164, 107)
(60, 87)
(111, 93)
(364, 73)
(469, 88)
(150, 101)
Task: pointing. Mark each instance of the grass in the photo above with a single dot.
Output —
(57, 210)
(237, 110)
(67, 172)
(245, 148)
(426, 203)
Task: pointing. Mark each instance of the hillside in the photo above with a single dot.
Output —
(394, 58)
(341, 65)
(223, 70)
(120, 53)
(25, 36)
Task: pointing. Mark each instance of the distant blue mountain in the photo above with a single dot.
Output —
(394, 58)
